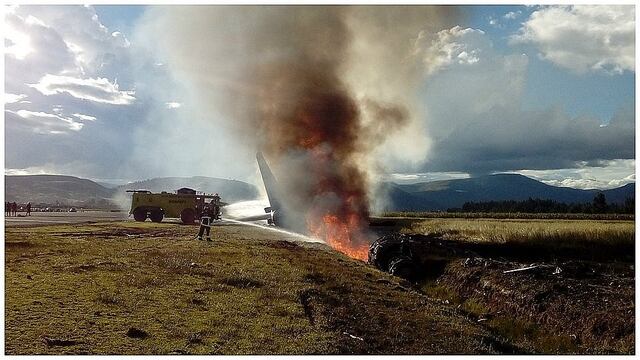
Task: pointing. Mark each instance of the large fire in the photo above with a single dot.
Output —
(344, 236)
(340, 211)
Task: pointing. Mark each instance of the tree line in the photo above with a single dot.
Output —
(599, 205)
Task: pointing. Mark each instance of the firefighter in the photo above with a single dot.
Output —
(215, 206)
(205, 222)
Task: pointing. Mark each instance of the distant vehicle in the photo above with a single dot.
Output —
(72, 209)
(185, 204)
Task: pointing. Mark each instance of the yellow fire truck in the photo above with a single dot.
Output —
(185, 204)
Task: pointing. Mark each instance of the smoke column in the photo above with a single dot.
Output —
(328, 93)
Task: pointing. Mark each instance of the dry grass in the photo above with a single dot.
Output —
(493, 215)
(592, 239)
(92, 288)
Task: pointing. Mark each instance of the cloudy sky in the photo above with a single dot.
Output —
(547, 92)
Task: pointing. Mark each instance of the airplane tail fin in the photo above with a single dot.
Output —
(270, 183)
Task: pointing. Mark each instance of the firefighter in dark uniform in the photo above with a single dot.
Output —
(215, 206)
(205, 221)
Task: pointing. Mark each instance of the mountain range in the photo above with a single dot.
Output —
(445, 194)
(230, 190)
(74, 191)
(427, 196)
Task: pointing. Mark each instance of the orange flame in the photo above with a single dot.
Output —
(344, 236)
(341, 225)
(325, 126)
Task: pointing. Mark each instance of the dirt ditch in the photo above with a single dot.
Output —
(559, 305)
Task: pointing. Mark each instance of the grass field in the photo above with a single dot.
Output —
(143, 288)
(492, 215)
(591, 239)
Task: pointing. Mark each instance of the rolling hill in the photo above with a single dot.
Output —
(436, 195)
(56, 189)
(444, 194)
(230, 190)
(74, 191)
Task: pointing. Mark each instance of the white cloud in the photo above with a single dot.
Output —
(411, 178)
(511, 15)
(32, 20)
(120, 39)
(72, 45)
(447, 47)
(583, 38)
(601, 175)
(93, 89)
(477, 124)
(13, 98)
(85, 117)
(71, 168)
(45, 123)
(620, 182)
(26, 171)
(172, 105)
(17, 43)
(32, 49)
(93, 45)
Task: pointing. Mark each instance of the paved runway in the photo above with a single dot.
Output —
(44, 218)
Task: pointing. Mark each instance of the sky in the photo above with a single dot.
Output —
(544, 91)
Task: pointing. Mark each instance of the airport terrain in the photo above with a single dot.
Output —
(78, 217)
(145, 288)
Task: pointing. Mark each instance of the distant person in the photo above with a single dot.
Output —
(29, 209)
(7, 208)
(14, 208)
(205, 222)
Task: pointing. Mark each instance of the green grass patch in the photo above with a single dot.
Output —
(441, 292)
(532, 336)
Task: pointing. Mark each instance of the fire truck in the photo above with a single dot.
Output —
(185, 204)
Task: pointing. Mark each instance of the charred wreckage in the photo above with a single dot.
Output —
(392, 253)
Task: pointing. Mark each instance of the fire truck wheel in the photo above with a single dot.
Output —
(140, 214)
(188, 216)
(156, 215)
